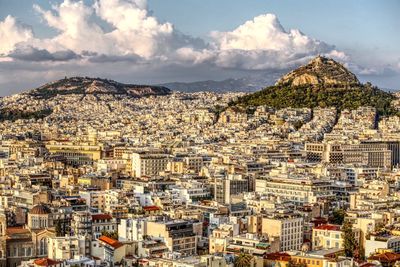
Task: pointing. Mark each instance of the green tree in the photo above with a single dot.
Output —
(297, 125)
(59, 231)
(349, 239)
(337, 216)
(380, 227)
(113, 235)
(311, 96)
(243, 260)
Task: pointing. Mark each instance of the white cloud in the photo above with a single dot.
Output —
(188, 54)
(76, 31)
(143, 45)
(338, 55)
(265, 32)
(12, 33)
(263, 43)
(135, 31)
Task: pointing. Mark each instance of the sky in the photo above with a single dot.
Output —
(157, 41)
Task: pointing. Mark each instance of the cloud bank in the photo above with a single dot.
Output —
(135, 43)
(11, 34)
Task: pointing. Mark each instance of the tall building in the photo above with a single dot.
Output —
(287, 227)
(393, 146)
(227, 186)
(147, 164)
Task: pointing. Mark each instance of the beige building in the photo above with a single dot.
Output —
(288, 228)
(298, 189)
(75, 154)
(227, 187)
(66, 247)
(40, 217)
(328, 236)
(145, 164)
(370, 154)
(179, 236)
(220, 238)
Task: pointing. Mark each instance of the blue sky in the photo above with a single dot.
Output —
(366, 31)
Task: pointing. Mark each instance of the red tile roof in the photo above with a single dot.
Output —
(282, 256)
(101, 217)
(330, 227)
(319, 220)
(151, 208)
(111, 242)
(45, 262)
(16, 230)
(386, 257)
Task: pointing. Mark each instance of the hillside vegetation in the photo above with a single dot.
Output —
(312, 86)
(13, 115)
(87, 85)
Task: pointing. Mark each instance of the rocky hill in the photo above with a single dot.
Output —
(320, 71)
(86, 85)
(40, 103)
(323, 82)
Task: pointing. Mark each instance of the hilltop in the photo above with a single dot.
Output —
(320, 71)
(86, 85)
(34, 104)
(323, 82)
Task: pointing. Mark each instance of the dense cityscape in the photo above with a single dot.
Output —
(191, 179)
(169, 133)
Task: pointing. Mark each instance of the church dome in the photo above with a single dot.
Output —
(40, 209)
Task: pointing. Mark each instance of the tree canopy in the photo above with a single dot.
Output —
(311, 96)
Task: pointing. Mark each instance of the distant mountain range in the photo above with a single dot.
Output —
(86, 85)
(228, 85)
(322, 82)
(244, 84)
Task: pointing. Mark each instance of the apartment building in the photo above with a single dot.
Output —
(370, 154)
(299, 189)
(67, 247)
(76, 154)
(288, 228)
(101, 223)
(227, 186)
(149, 164)
(179, 236)
(327, 236)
